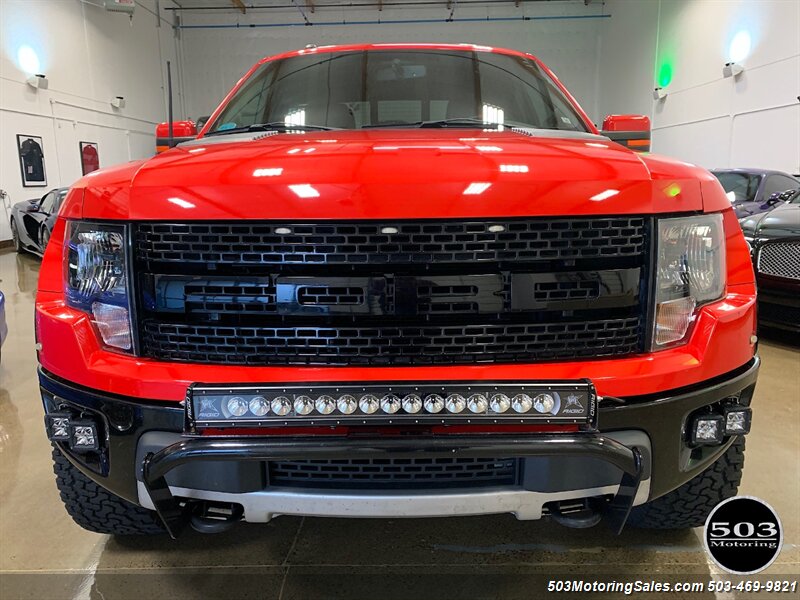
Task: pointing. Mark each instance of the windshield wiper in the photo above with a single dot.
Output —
(273, 126)
(462, 122)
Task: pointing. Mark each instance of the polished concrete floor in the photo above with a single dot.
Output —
(43, 554)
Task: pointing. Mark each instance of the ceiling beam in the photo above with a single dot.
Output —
(240, 5)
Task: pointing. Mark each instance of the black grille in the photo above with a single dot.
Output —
(391, 293)
(780, 259)
(402, 344)
(785, 314)
(409, 243)
(394, 473)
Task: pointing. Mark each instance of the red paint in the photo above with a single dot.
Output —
(397, 174)
(179, 129)
(626, 123)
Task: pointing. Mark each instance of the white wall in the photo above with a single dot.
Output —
(89, 56)
(607, 54)
(752, 121)
(215, 57)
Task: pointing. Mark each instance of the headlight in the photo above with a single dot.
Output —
(690, 272)
(96, 279)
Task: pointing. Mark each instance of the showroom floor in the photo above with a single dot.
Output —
(308, 558)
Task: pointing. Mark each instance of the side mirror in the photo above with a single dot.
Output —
(632, 131)
(182, 131)
(201, 122)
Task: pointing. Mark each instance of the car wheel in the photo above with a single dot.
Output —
(690, 504)
(44, 238)
(97, 509)
(15, 236)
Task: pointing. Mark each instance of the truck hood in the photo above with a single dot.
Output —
(399, 174)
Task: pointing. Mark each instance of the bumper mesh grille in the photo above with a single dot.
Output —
(780, 259)
(356, 243)
(394, 473)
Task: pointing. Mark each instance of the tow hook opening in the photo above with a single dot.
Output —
(214, 517)
(578, 514)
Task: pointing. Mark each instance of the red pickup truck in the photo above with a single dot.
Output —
(397, 281)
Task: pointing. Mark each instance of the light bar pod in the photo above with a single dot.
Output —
(560, 402)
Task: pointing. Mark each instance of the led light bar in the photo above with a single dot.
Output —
(569, 402)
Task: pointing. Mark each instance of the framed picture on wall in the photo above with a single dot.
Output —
(31, 160)
(90, 157)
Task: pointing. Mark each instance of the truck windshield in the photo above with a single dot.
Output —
(398, 88)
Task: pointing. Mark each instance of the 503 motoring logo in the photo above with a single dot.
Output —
(743, 535)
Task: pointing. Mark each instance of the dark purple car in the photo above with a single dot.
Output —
(751, 191)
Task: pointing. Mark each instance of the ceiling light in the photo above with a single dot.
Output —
(732, 69)
(39, 82)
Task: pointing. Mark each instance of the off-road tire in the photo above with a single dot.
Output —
(95, 508)
(689, 505)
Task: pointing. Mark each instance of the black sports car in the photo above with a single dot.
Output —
(32, 221)
(774, 239)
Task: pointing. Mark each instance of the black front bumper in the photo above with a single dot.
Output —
(663, 418)
(174, 514)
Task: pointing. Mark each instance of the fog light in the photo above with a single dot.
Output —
(57, 425)
(83, 436)
(259, 406)
(500, 403)
(708, 429)
(347, 404)
(412, 403)
(237, 406)
(434, 403)
(521, 403)
(737, 420)
(303, 405)
(281, 405)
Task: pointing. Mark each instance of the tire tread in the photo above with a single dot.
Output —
(690, 504)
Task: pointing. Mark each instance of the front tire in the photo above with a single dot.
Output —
(95, 508)
(44, 238)
(690, 504)
(15, 237)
